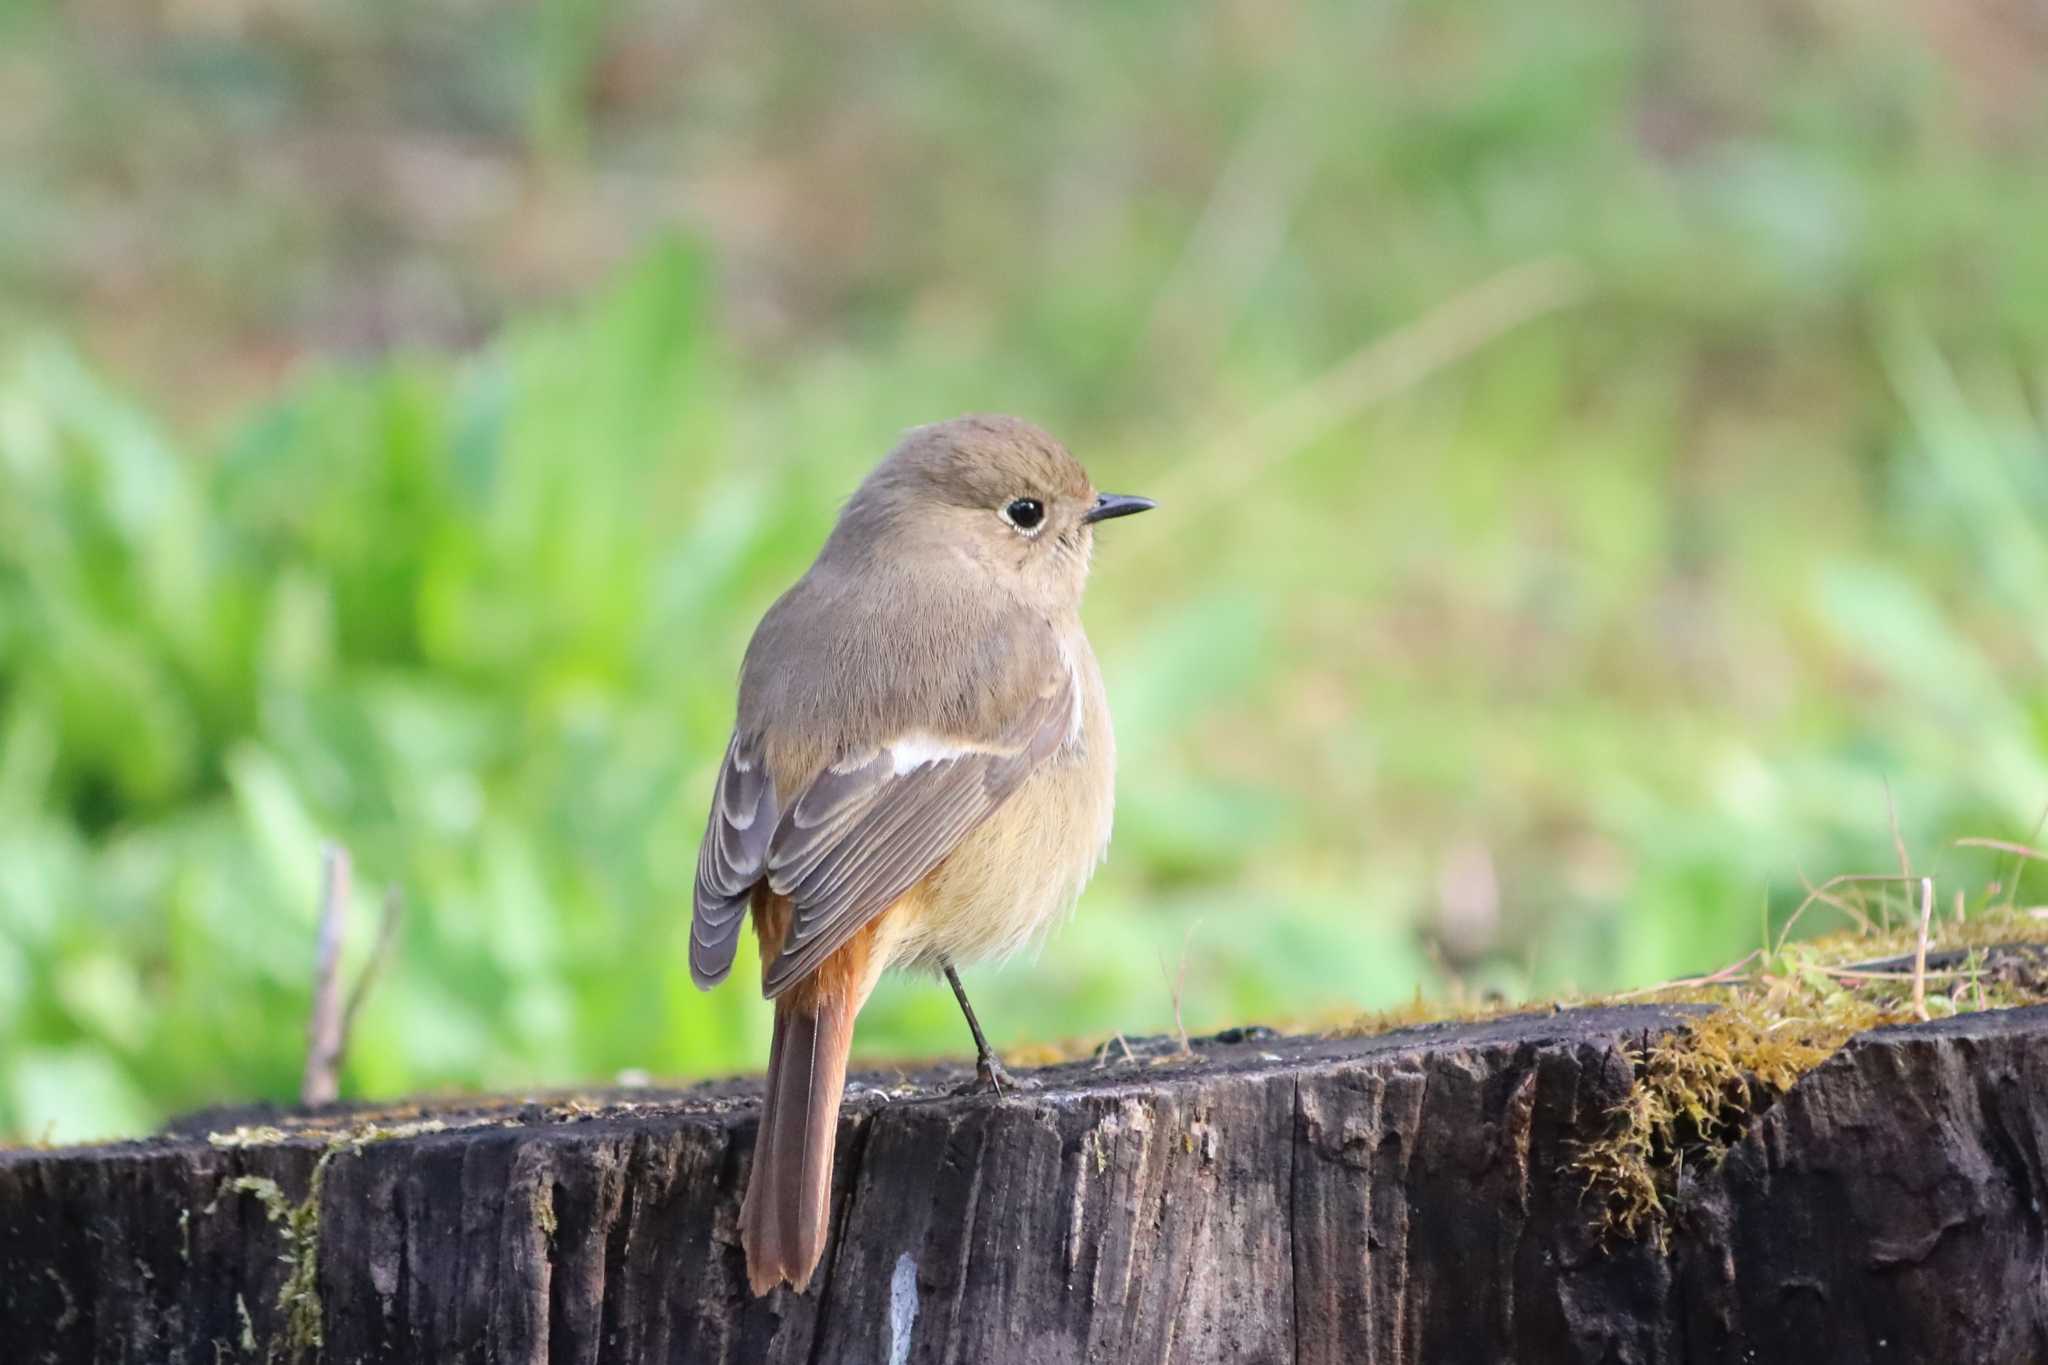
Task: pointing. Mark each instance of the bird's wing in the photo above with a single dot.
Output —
(733, 857)
(871, 825)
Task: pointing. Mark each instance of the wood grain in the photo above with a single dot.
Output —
(1398, 1199)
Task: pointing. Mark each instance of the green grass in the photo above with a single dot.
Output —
(1547, 658)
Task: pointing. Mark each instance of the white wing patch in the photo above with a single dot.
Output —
(869, 826)
(913, 751)
(1078, 721)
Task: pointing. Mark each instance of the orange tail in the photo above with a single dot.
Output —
(788, 1204)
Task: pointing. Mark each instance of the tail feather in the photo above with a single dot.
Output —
(787, 1210)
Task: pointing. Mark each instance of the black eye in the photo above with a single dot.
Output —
(1025, 513)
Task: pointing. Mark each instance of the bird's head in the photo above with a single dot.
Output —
(993, 493)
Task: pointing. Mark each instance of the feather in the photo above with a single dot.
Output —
(732, 858)
(878, 825)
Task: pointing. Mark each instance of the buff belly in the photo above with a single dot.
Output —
(1021, 871)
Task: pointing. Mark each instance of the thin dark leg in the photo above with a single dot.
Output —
(987, 1069)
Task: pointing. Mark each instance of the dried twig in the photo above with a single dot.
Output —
(2019, 865)
(2022, 854)
(2025, 852)
(1234, 240)
(320, 1084)
(387, 935)
(1735, 973)
(1102, 1055)
(1891, 811)
(1175, 987)
(1857, 974)
(1382, 368)
(1898, 843)
(1824, 893)
(333, 1022)
(1920, 947)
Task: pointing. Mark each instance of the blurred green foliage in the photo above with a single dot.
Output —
(1552, 659)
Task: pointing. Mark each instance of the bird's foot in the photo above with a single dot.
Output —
(992, 1078)
(990, 1072)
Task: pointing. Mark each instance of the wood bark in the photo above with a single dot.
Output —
(1403, 1198)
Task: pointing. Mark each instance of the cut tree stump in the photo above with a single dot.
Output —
(1402, 1198)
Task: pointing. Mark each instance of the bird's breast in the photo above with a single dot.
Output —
(1022, 869)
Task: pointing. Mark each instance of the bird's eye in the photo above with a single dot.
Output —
(1025, 514)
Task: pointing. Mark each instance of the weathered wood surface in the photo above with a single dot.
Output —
(1405, 1198)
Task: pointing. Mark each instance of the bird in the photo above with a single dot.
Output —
(921, 773)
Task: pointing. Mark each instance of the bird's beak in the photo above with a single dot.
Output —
(1109, 505)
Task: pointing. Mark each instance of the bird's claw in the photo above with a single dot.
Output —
(991, 1078)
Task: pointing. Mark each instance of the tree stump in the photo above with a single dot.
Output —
(1409, 1197)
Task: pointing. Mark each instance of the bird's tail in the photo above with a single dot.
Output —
(788, 1205)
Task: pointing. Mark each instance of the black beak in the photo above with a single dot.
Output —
(1109, 505)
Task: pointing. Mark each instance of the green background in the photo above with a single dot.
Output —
(1600, 448)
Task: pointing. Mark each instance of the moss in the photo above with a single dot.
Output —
(248, 1325)
(363, 1135)
(355, 1137)
(1695, 1093)
(298, 1299)
(1697, 1090)
(544, 1212)
(1099, 1144)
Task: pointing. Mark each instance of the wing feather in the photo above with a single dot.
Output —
(869, 828)
(732, 858)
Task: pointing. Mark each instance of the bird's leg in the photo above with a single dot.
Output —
(988, 1071)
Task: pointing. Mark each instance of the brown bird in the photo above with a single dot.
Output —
(920, 774)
